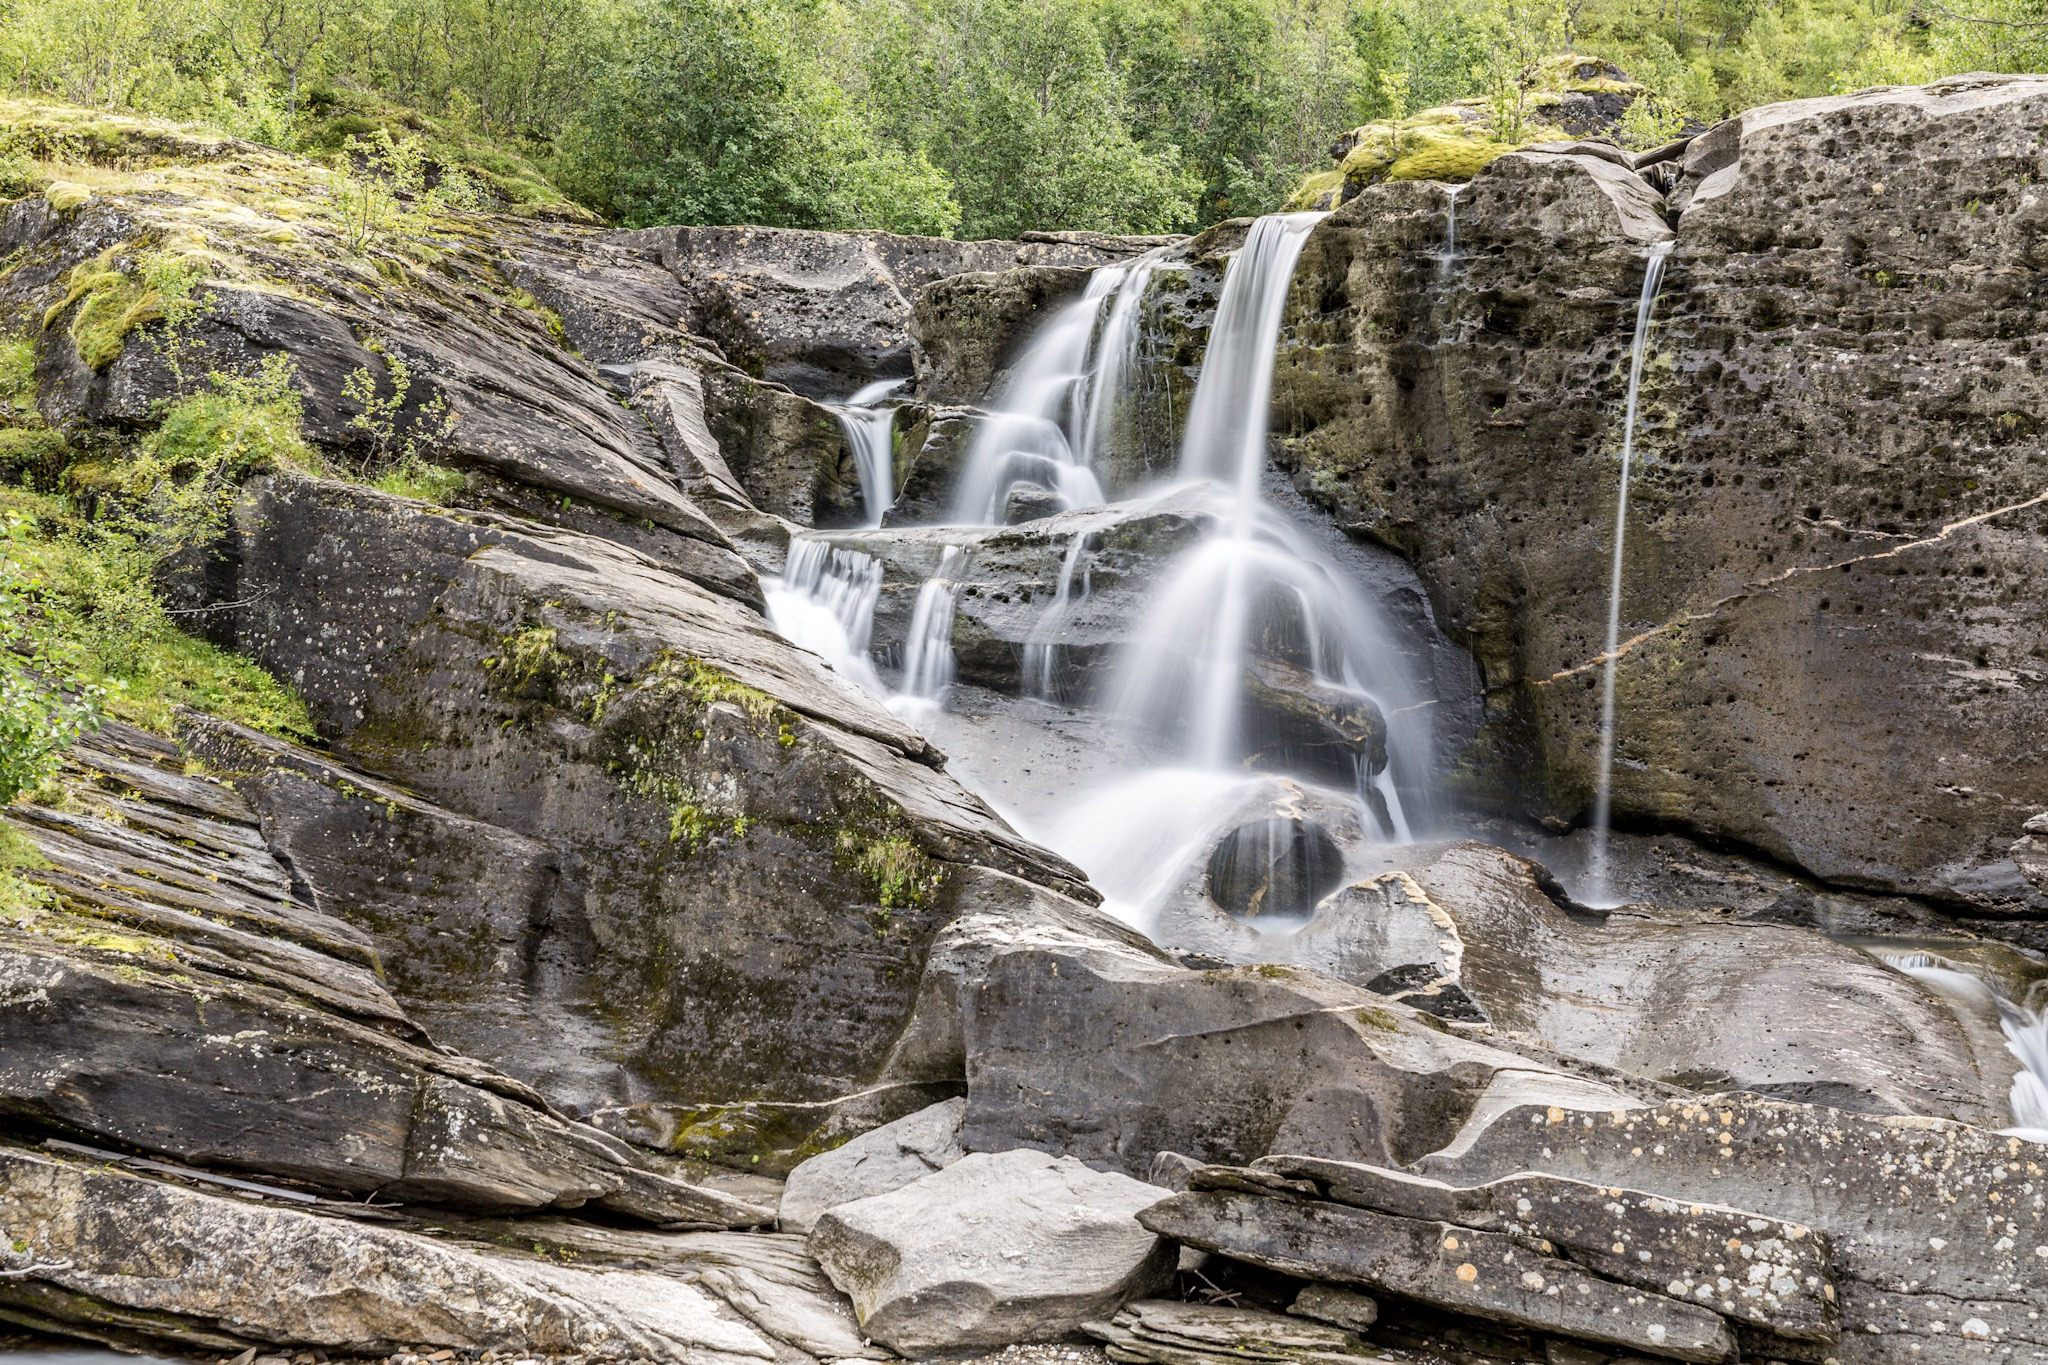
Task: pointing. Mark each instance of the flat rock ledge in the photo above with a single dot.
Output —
(1611, 1267)
(997, 1248)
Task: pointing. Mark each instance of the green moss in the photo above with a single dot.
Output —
(1312, 190)
(420, 480)
(21, 898)
(528, 651)
(65, 196)
(1374, 1017)
(704, 683)
(109, 305)
(549, 318)
(1449, 158)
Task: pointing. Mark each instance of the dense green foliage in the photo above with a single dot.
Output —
(982, 117)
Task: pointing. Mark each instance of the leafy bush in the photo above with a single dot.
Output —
(185, 475)
(38, 717)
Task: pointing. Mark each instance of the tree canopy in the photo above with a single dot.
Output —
(975, 117)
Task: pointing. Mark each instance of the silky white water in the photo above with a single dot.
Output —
(1599, 892)
(870, 426)
(928, 649)
(1251, 613)
(2025, 1026)
(825, 601)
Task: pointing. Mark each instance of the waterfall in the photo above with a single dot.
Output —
(1115, 359)
(1447, 264)
(1603, 800)
(1030, 440)
(825, 601)
(928, 649)
(1041, 651)
(2025, 1028)
(1255, 595)
(870, 427)
(1226, 433)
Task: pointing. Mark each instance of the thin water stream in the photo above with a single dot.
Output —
(1599, 892)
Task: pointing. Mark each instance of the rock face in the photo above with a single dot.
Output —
(1831, 643)
(687, 770)
(827, 312)
(178, 998)
(1015, 1246)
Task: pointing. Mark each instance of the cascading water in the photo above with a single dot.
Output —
(1258, 680)
(2025, 1027)
(1603, 800)
(1042, 650)
(928, 650)
(870, 426)
(825, 601)
(1116, 359)
(1030, 440)
(1447, 263)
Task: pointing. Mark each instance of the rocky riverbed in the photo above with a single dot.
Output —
(610, 978)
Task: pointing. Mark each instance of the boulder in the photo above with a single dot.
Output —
(1277, 868)
(878, 1161)
(1775, 1275)
(995, 1249)
(1229, 1065)
(1937, 1229)
(1481, 1274)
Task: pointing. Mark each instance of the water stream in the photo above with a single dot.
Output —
(870, 426)
(1598, 892)
(2024, 1024)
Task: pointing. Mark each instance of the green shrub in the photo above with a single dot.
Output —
(187, 472)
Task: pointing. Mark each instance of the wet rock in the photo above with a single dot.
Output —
(1483, 1274)
(1299, 723)
(1014, 1246)
(1674, 995)
(1171, 1333)
(117, 1258)
(1309, 1064)
(880, 1160)
(1277, 868)
(828, 312)
(971, 327)
(1768, 1273)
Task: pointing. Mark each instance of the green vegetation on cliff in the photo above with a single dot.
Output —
(967, 116)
